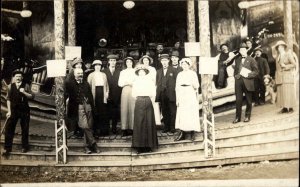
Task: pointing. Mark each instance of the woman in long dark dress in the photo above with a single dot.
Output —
(144, 137)
(99, 86)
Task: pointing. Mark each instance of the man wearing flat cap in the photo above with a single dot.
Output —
(17, 97)
(263, 70)
(245, 70)
(114, 97)
(165, 92)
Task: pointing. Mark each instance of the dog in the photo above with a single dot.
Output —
(270, 88)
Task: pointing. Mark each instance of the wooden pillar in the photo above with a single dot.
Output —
(59, 33)
(71, 23)
(191, 31)
(288, 23)
(204, 39)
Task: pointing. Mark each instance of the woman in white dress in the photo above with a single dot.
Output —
(99, 86)
(147, 61)
(144, 137)
(187, 116)
(126, 79)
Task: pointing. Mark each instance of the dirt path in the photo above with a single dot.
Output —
(263, 170)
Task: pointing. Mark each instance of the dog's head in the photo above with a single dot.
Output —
(267, 79)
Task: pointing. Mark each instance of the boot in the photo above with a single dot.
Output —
(192, 135)
(95, 148)
(181, 136)
(124, 133)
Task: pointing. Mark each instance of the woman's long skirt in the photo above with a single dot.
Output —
(101, 121)
(187, 116)
(127, 108)
(286, 95)
(144, 129)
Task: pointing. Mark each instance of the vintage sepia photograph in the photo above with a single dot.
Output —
(149, 93)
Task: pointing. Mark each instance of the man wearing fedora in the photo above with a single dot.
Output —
(263, 70)
(175, 60)
(75, 63)
(17, 97)
(245, 70)
(114, 97)
(165, 92)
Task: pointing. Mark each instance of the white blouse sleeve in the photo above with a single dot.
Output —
(195, 81)
(121, 81)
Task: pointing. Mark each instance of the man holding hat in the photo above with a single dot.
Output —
(114, 97)
(17, 97)
(225, 59)
(263, 70)
(245, 70)
(165, 92)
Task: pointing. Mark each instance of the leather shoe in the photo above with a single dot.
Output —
(95, 148)
(124, 133)
(247, 119)
(165, 131)
(114, 130)
(181, 136)
(192, 136)
(284, 110)
(290, 110)
(236, 120)
(172, 131)
(87, 150)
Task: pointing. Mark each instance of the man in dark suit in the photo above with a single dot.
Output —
(175, 60)
(114, 97)
(245, 70)
(165, 92)
(80, 108)
(263, 70)
(159, 51)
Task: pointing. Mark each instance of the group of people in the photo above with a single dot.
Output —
(250, 69)
(138, 93)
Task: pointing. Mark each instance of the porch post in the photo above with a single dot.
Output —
(191, 31)
(59, 33)
(206, 80)
(288, 23)
(71, 23)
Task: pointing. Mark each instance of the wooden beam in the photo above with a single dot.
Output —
(191, 31)
(288, 23)
(71, 23)
(59, 33)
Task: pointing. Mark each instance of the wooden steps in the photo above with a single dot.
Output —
(265, 138)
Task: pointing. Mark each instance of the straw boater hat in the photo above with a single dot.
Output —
(280, 42)
(76, 61)
(140, 67)
(162, 56)
(186, 60)
(146, 56)
(128, 58)
(97, 62)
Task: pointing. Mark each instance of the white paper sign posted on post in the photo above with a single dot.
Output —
(208, 65)
(72, 52)
(56, 68)
(192, 48)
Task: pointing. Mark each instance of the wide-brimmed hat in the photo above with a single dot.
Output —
(17, 72)
(162, 56)
(112, 56)
(186, 60)
(224, 44)
(140, 67)
(280, 42)
(76, 61)
(146, 56)
(258, 49)
(97, 62)
(175, 53)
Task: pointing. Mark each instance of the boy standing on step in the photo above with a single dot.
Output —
(18, 94)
